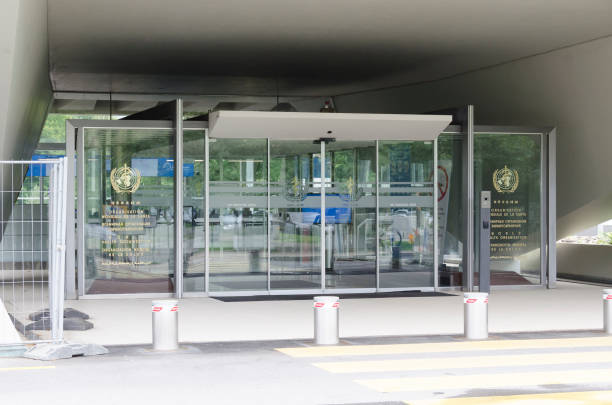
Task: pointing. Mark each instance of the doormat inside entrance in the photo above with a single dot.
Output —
(415, 293)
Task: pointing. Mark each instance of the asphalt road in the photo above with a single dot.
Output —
(544, 368)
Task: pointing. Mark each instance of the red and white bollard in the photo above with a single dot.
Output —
(607, 304)
(165, 324)
(476, 314)
(326, 325)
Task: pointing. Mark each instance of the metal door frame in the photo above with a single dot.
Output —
(74, 136)
(548, 201)
(75, 130)
(324, 185)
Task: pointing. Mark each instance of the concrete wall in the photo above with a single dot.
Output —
(585, 262)
(25, 89)
(570, 88)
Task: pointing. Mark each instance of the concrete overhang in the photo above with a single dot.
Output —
(308, 126)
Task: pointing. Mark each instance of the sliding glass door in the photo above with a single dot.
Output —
(289, 216)
(238, 215)
(350, 214)
(406, 214)
(295, 215)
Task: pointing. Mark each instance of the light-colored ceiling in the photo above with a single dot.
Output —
(308, 47)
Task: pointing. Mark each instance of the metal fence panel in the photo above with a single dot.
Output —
(32, 250)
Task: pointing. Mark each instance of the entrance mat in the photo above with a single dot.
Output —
(131, 286)
(414, 293)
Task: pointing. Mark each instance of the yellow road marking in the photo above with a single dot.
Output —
(25, 368)
(482, 381)
(557, 398)
(508, 360)
(366, 350)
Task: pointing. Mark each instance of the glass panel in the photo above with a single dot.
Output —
(295, 215)
(238, 214)
(405, 214)
(350, 215)
(129, 197)
(509, 166)
(450, 209)
(194, 248)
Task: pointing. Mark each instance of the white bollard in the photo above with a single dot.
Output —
(326, 327)
(165, 324)
(607, 303)
(476, 314)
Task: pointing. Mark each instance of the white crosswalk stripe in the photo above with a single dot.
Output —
(520, 364)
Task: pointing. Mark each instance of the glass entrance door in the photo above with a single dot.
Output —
(406, 231)
(295, 215)
(238, 195)
(350, 214)
(128, 211)
(301, 215)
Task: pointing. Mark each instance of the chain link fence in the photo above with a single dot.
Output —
(32, 250)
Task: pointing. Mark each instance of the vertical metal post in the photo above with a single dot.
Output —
(57, 246)
(484, 278)
(322, 243)
(543, 208)
(436, 248)
(552, 209)
(178, 200)
(468, 200)
(51, 262)
(268, 221)
(607, 310)
(206, 212)
(165, 324)
(476, 315)
(71, 133)
(326, 320)
(60, 248)
(377, 221)
(81, 204)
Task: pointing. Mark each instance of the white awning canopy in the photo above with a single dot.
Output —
(342, 126)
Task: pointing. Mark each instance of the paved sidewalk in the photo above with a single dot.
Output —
(128, 321)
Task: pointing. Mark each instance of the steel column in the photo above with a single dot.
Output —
(178, 200)
(468, 200)
(206, 213)
(377, 221)
(552, 209)
(71, 288)
(436, 248)
(322, 243)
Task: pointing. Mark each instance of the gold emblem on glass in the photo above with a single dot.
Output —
(125, 179)
(350, 184)
(295, 189)
(295, 185)
(505, 180)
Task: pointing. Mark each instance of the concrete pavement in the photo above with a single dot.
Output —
(543, 368)
(128, 321)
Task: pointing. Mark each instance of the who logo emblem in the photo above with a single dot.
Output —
(505, 180)
(125, 179)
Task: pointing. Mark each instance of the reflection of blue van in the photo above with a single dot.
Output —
(333, 215)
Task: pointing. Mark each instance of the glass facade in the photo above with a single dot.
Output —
(238, 172)
(280, 216)
(295, 205)
(450, 209)
(510, 166)
(406, 214)
(194, 206)
(129, 211)
(350, 215)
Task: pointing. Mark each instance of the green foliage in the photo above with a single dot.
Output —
(54, 130)
(606, 238)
